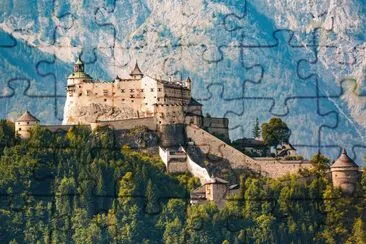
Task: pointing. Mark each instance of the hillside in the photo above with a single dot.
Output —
(81, 187)
(230, 49)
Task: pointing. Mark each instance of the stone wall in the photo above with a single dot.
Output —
(217, 126)
(148, 122)
(268, 167)
(172, 135)
(177, 167)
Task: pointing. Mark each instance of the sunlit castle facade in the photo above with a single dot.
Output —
(138, 96)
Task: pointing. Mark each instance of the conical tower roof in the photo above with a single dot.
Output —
(27, 117)
(344, 161)
(136, 70)
(78, 61)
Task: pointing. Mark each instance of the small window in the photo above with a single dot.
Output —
(20, 128)
(105, 100)
(158, 99)
(145, 103)
(142, 90)
(123, 99)
(132, 101)
(132, 90)
(27, 122)
(159, 89)
(80, 94)
(122, 90)
(132, 96)
(105, 92)
(151, 89)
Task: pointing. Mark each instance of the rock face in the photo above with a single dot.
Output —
(93, 112)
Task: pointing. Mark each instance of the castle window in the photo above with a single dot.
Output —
(20, 128)
(132, 96)
(145, 103)
(28, 123)
(132, 101)
(158, 99)
(159, 89)
(151, 89)
(105, 100)
(105, 92)
(80, 94)
(114, 93)
(142, 90)
(123, 99)
(88, 93)
(132, 90)
(122, 90)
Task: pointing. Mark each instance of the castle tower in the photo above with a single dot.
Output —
(136, 73)
(216, 189)
(24, 123)
(188, 83)
(78, 75)
(345, 173)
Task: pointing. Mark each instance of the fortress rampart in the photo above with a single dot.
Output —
(267, 167)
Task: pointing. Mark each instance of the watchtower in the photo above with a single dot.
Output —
(345, 173)
(24, 123)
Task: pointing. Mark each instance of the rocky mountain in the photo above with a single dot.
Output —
(301, 61)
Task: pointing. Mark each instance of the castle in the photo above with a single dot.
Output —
(168, 108)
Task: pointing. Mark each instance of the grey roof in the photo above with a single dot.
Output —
(136, 70)
(216, 180)
(193, 102)
(27, 117)
(251, 142)
(344, 161)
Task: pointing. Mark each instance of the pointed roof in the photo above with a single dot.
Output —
(78, 61)
(27, 117)
(189, 80)
(344, 161)
(193, 102)
(136, 70)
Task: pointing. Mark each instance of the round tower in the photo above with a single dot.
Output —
(24, 123)
(78, 75)
(345, 173)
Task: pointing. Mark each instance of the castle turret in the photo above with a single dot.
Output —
(345, 173)
(188, 83)
(78, 75)
(24, 123)
(136, 73)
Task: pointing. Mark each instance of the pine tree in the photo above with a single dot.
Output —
(152, 206)
(256, 130)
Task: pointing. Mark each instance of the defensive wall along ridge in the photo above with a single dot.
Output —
(267, 166)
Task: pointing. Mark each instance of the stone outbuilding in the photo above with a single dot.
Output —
(24, 123)
(215, 189)
(345, 173)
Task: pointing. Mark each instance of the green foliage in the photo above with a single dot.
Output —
(98, 194)
(320, 163)
(256, 129)
(275, 132)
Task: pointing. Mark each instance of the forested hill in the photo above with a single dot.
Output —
(77, 187)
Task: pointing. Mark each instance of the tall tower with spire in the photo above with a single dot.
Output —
(136, 73)
(78, 75)
(345, 173)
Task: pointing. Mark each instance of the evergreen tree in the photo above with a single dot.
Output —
(152, 205)
(275, 132)
(256, 130)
